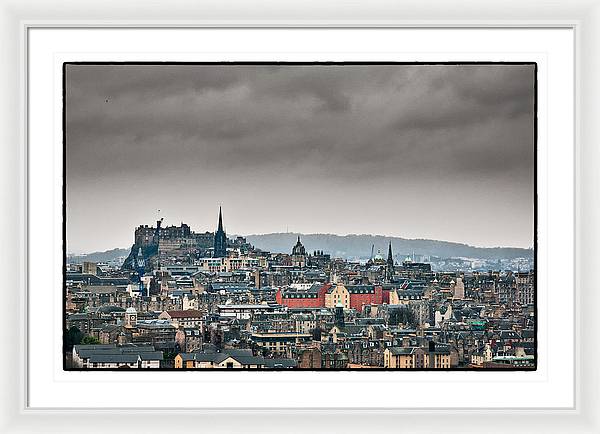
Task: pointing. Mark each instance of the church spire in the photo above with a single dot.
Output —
(389, 269)
(220, 244)
(220, 228)
(299, 248)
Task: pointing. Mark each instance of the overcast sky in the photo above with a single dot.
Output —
(428, 151)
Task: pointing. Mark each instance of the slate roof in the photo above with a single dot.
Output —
(114, 358)
(245, 306)
(407, 293)
(92, 279)
(245, 357)
(353, 330)
(111, 353)
(509, 334)
(442, 350)
(361, 289)
(154, 355)
(154, 324)
(94, 347)
(230, 287)
(110, 327)
(402, 351)
(368, 321)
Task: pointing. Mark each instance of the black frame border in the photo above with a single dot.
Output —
(316, 63)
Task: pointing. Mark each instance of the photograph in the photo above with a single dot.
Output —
(338, 216)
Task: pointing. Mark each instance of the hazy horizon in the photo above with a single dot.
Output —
(441, 152)
(311, 234)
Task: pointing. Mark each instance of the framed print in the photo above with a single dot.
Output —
(339, 224)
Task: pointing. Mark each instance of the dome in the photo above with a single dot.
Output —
(130, 310)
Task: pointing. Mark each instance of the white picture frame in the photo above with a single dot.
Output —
(17, 18)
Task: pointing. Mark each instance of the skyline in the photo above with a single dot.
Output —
(301, 234)
(414, 151)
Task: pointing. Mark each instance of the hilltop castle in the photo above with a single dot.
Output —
(159, 244)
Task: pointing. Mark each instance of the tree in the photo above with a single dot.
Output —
(407, 317)
(73, 336)
(169, 355)
(89, 340)
(402, 315)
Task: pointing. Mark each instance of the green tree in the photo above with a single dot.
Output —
(73, 336)
(169, 355)
(402, 315)
(89, 340)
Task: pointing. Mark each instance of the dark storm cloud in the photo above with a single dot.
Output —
(323, 134)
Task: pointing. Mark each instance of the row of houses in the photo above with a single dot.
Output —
(113, 356)
(230, 359)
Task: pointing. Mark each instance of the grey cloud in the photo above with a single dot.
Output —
(318, 134)
(146, 81)
(470, 94)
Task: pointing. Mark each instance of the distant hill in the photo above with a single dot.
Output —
(109, 255)
(359, 246)
(350, 246)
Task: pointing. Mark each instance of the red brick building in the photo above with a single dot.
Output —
(313, 297)
(352, 296)
(362, 295)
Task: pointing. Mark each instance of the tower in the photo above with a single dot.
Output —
(130, 317)
(220, 245)
(299, 254)
(141, 263)
(299, 249)
(156, 238)
(141, 267)
(389, 269)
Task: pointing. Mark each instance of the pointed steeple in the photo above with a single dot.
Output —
(389, 269)
(298, 239)
(220, 228)
(220, 244)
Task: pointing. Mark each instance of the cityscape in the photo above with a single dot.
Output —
(338, 216)
(188, 300)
